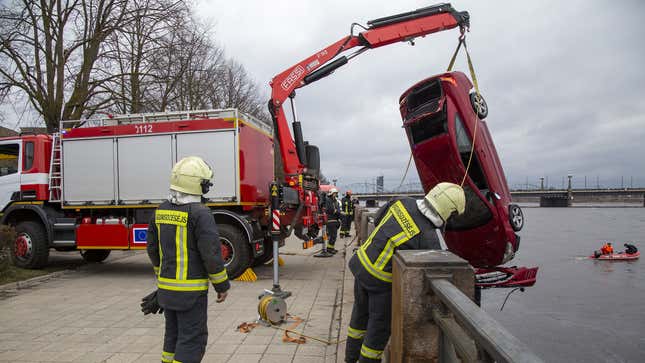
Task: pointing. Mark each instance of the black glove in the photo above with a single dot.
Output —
(149, 304)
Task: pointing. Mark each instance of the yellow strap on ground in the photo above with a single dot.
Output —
(247, 276)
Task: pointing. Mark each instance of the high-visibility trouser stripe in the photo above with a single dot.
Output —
(182, 285)
(159, 243)
(218, 277)
(388, 251)
(355, 333)
(379, 274)
(167, 357)
(371, 236)
(156, 269)
(370, 353)
(176, 361)
(181, 252)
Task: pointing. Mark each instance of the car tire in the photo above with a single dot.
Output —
(516, 217)
(30, 249)
(479, 105)
(95, 256)
(236, 250)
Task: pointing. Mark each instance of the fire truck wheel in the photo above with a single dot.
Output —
(30, 249)
(95, 255)
(236, 250)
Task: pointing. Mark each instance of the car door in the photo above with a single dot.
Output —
(10, 167)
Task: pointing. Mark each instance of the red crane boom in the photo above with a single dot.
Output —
(379, 32)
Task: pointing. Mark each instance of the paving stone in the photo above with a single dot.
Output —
(92, 314)
(123, 358)
(246, 358)
(216, 358)
(276, 358)
(251, 349)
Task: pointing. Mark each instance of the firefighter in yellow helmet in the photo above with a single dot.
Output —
(185, 251)
(401, 224)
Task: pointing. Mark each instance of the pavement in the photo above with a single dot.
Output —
(92, 314)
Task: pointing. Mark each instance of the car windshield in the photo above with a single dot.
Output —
(465, 147)
(477, 212)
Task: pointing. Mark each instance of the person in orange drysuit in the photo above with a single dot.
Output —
(607, 249)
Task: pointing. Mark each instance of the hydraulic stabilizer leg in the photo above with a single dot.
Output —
(275, 237)
(324, 252)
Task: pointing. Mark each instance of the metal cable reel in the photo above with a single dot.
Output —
(272, 309)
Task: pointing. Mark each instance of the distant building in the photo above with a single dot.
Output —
(379, 184)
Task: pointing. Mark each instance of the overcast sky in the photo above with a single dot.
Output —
(564, 82)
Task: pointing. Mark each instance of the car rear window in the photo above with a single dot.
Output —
(428, 127)
(424, 98)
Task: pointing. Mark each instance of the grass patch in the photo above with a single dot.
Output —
(13, 274)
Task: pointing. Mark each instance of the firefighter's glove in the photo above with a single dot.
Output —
(221, 296)
(149, 304)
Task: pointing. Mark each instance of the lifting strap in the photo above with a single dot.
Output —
(462, 40)
(471, 68)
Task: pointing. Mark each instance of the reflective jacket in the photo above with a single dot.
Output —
(347, 205)
(185, 251)
(399, 225)
(332, 209)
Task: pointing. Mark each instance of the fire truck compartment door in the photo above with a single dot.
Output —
(219, 150)
(89, 171)
(144, 168)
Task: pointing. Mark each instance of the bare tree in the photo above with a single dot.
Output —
(133, 53)
(48, 50)
(73, 58)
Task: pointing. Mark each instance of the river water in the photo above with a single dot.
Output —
(580, 310)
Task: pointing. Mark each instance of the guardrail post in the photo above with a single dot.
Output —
(415, 336)
(366, 226)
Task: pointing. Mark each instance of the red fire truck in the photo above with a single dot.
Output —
(94, 185)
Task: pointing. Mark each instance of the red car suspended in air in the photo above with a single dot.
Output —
(443, 116)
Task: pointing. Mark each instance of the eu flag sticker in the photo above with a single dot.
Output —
(139, 235)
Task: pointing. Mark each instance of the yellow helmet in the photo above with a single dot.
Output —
(447, 198)
(191, 175)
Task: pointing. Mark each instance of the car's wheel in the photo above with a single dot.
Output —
(236, 250)
(95, 255)
(30, 249)
(516, 217)
(479, 105)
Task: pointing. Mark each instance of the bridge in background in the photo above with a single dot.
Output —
(623, 196)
